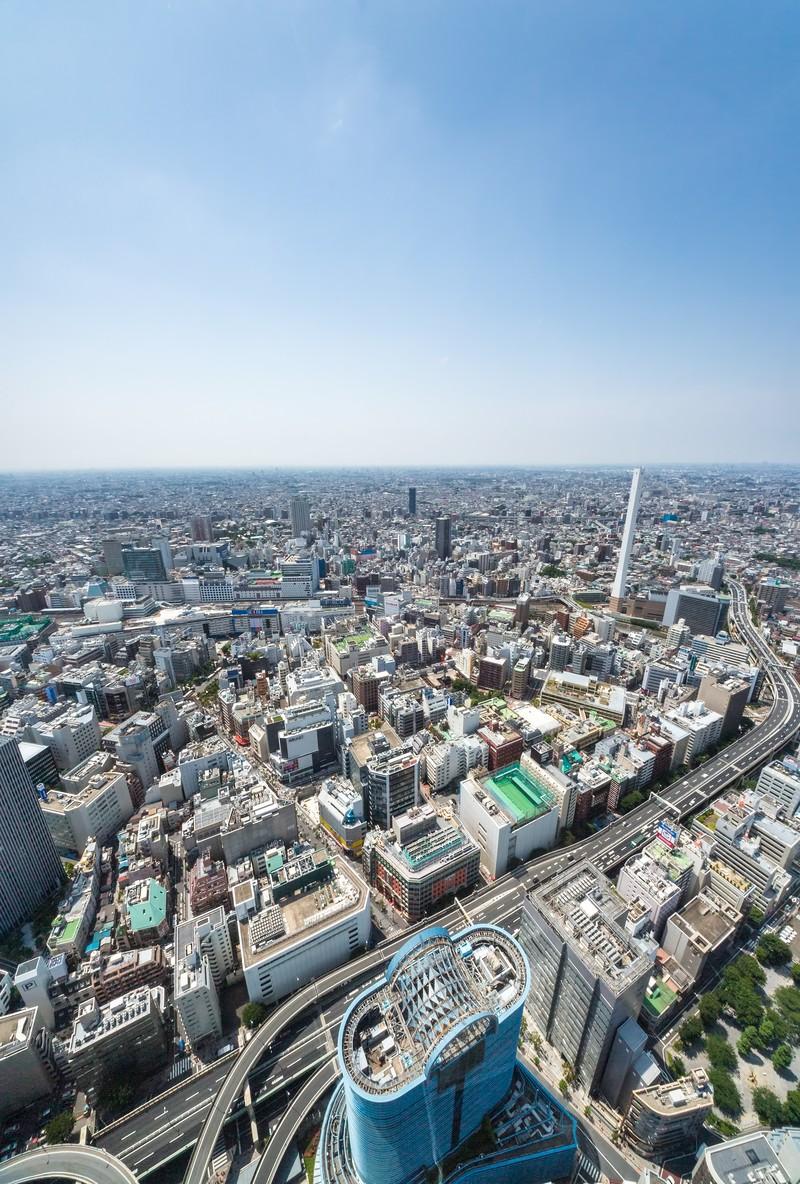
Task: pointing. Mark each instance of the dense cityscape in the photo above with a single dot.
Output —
(384, 826)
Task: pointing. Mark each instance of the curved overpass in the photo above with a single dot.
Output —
(66, 1161)
(282, 1137)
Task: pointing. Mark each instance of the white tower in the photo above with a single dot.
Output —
(621, 578)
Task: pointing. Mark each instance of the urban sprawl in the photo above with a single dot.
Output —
(386, 827)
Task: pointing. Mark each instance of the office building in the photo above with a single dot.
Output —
(100, 809)
(5, 992)
(619, 588)
(703, 725)
(443, 537)
(762, 1157)
(419, 862)
(711, 572)
(665, 1121)
(144, 564)
(204, 957)
(702, 609)
(510, 814)
(728, 826)
(299, 515)
(202, 529)
(29, 866)
(412, 500)
(72, 736)
(560, 650)
(591, 973)
(643, 880)
(28, 1065)
(701, 931)
(781, 780)
(728, 694)
(38, 760)
(127, 1036)
(451, 761)
(392, 786)
(300, 915)
(428, 1059)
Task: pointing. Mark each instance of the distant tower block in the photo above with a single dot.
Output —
(619, 587)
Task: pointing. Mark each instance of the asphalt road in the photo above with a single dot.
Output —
(172, 1124)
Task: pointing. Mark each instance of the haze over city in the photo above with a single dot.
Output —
(331, 234)
(399, 592)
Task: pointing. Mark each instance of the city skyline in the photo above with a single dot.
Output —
(236, 225)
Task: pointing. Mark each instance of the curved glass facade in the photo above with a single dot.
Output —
(428, 1052)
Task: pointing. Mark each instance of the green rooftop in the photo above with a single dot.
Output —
(18, 629)
(151, 912)
(520, 794)
(67, 934)
(659, 999)
(356, 639)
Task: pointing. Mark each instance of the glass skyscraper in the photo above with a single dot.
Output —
(431, 1085)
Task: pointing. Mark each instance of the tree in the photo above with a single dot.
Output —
(787, 1001)
(690, 1031)
(59, 1129)
(766, 1032)
(782, 1057)
(676, 1066)
(253, 1015)
(710, 1008)
(726, 1095)
(767, 1106)
(791, 1108)
(720, 1053)
(795, 973)
(631, 801)
(115, 1093)
(771, 951)
(563, 1086)
(747, 1041)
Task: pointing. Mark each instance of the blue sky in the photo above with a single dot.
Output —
(276, 233)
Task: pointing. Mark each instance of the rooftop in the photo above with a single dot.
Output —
(286, 919)
(586, 909)
(521, 795)
(439, 992)
(691, 1092)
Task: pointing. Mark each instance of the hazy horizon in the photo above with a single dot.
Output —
(306, 235)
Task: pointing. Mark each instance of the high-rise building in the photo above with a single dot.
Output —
(703, 609)
(428, 1059)
(392, 786)
(728, 695)
(29, 866)
(412, 500)
(300, 515)
(619, 587)
(202, 529)
(443, 537)
(591, 974)
(28, 1066)
(666, 1120)
(711, 572)
(112, 556)
(145, 564)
